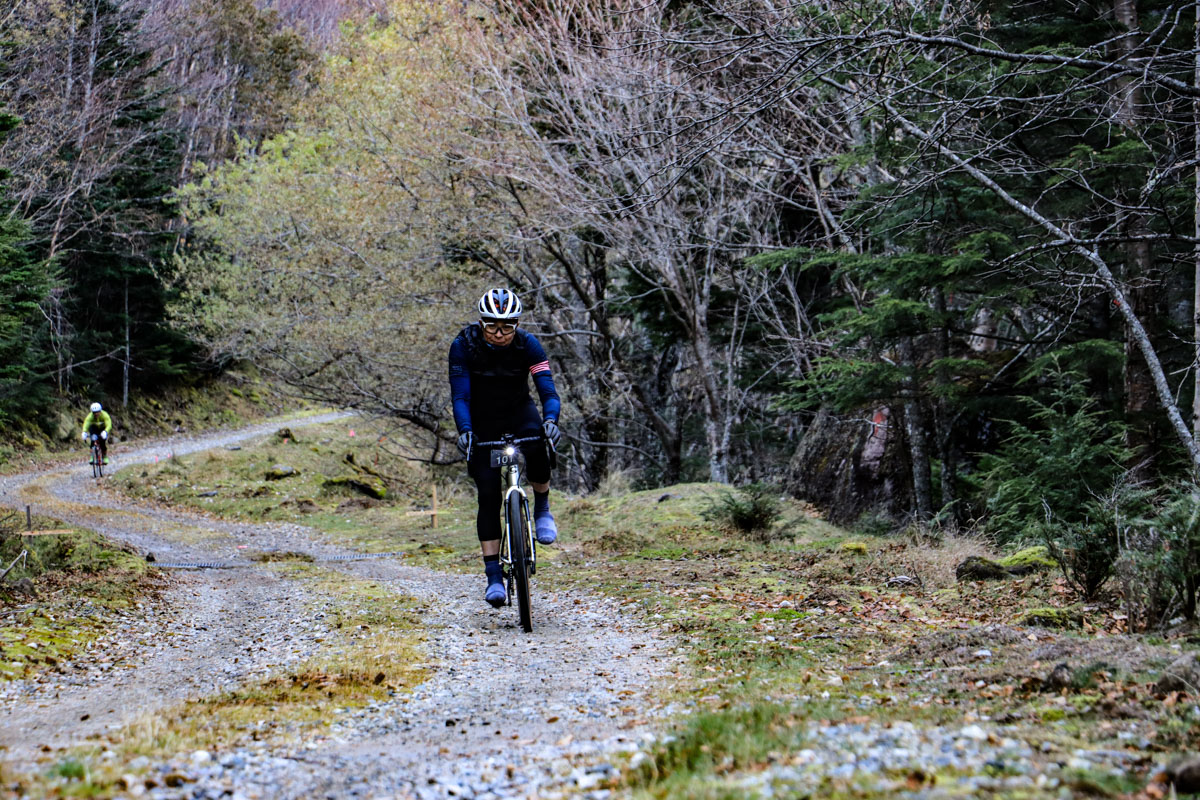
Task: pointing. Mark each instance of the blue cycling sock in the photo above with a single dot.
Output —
(491, 566)
(541, 502)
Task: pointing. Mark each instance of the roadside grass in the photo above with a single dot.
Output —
(335, 477)
(69, 590)
(805, 621)
(816, 625)
(372, 653)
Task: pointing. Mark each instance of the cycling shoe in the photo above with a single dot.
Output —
(547, 531)
(496, 595)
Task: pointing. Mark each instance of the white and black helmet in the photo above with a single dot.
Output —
(96, 408)
(499, 304)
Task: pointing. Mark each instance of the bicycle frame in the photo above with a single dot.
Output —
(510, 483)
(95, 459)
(518, 548)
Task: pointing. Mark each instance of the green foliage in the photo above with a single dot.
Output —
(25, 282)
(316, 252)
(70, 768)
(1060, 478)
(1160, 560)
(1056, 461)
(752, 510)
(874, 524)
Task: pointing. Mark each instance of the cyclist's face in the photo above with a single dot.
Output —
(499, 334)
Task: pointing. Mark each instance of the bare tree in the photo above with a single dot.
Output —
(945, 89)
(587, 115)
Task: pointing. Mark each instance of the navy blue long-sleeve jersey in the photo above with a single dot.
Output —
(490, 387)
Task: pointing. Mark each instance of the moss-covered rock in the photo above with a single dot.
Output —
(977, 568)
(371, 488)
(1051, 617)
(1031, 559)
(858, 548)
(280, 471)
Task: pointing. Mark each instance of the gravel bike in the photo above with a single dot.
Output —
(96, 459)
(518, 546)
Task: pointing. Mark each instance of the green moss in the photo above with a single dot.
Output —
(857, 548)
(787, 613)
(1033, 558)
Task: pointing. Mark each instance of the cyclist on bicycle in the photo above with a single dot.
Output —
(490, 365)
(98, 423)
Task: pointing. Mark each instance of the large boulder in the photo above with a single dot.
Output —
(62, 426)
(851, 465)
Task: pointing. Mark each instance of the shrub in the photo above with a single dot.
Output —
(1085, 549)
(1159, 563)
(753, 509)
(1060, 479)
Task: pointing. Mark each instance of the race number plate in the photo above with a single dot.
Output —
(501, 458)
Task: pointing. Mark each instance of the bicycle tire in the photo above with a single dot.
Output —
(97, 463)
(518, 542)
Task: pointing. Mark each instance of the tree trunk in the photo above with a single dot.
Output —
(714, 418)
(944, 415)
(1143, 290)
(914, 428)
(1196, 228)
(125, 370)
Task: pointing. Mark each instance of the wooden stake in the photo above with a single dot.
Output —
(432, 512)
(28, 519)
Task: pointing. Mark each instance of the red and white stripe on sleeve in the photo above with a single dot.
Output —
(542, 367)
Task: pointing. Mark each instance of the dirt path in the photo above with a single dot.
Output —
(497, 716)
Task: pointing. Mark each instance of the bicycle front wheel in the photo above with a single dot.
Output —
(518, 542)
(97, 464)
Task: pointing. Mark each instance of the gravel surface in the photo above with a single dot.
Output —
(503, 712)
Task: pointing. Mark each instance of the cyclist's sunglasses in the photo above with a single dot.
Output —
(503, 328)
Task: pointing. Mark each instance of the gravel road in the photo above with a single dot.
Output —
(503, 714)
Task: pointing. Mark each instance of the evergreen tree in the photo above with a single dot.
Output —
(24, 284)
(99, 205)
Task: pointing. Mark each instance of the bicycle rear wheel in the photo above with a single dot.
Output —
(518, 542)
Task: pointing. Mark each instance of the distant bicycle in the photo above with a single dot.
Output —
(96, 459)
(518, 545)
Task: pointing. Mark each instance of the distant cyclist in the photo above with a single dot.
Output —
(98, 423)
(491, 362)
